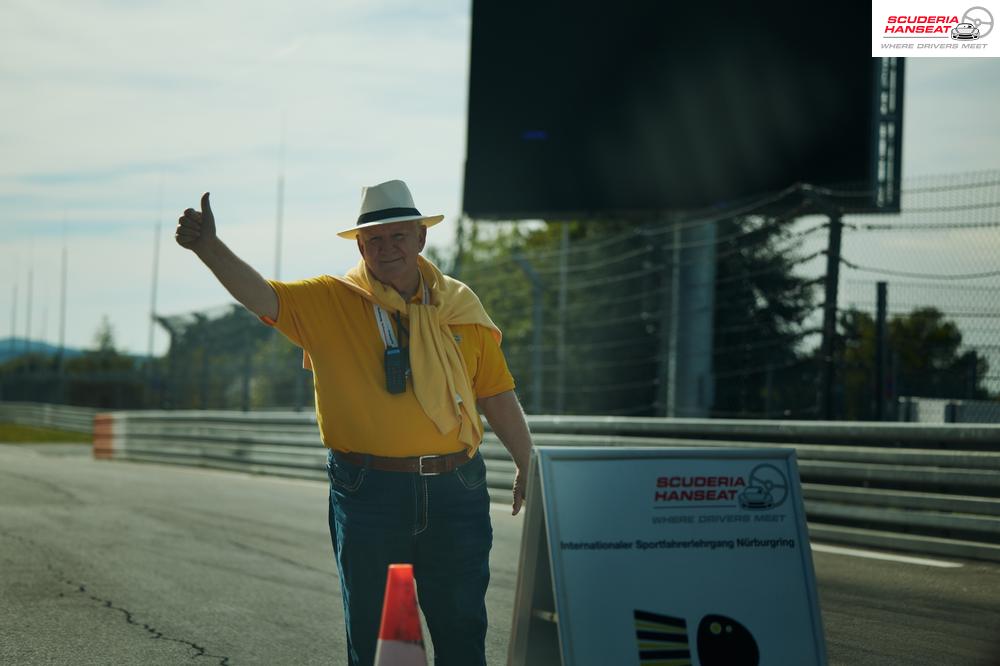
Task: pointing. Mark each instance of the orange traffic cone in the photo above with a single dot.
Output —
(400, 642)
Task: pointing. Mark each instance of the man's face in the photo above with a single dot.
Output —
(390, 250)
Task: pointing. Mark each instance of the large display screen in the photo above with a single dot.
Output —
(593, 108)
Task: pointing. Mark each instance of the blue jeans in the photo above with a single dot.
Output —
(441, 525)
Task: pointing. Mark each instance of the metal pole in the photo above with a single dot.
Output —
(973, 375)
(277, 241)
(27, 323)
(768, 390)
(561, 340)
(675, 306)
(456, 264)
(281, 206)
(13, 321)
(663, 372)
(247, 371)
(830, 317)
(880, 343)
(62, 303)
(894, 390)
(203, 378)
(205, 342)
(152, 298)
(60, 382)
(537, 313)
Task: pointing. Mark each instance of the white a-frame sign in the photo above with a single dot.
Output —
(641, 556)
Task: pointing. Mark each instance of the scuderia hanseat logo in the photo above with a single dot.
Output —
(764, 488)
(976, 22)
(943, 30)
(720, 641)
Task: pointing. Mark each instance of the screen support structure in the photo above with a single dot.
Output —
(888, 128)
(687, 256)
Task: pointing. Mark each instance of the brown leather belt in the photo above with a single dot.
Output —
(422, 465)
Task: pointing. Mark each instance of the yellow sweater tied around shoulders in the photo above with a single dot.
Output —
(440, 380)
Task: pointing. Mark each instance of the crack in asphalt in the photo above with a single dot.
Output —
(130, 619)
(109, 604)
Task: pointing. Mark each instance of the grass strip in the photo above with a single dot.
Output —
(15, 433)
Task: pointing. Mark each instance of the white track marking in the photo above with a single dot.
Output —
(891, 557)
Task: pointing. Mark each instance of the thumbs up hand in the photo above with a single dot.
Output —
(196, 229)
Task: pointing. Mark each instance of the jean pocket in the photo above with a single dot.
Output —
(473, 473)
(345, 476)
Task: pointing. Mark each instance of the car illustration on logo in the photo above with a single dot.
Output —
(965, 31)
(767, 488)
(756, 498)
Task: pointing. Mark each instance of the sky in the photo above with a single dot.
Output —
(117, 115)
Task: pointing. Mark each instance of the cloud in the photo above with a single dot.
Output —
(949, 119)
(119, 114)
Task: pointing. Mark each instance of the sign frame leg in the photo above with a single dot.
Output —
(535, 629)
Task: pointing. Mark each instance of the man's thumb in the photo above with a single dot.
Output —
(206, 207)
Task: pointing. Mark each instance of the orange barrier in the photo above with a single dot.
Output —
(103, 431)
(400, 640)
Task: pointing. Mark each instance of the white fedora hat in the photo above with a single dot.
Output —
(386, 203)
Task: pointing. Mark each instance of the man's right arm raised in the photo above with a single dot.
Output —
(196, 232)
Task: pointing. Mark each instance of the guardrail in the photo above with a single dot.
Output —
(60, 417)
(933, 489)
(936, 410)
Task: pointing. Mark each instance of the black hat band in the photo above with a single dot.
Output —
(387, 213)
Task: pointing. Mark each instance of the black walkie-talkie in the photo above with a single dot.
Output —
(397, 363)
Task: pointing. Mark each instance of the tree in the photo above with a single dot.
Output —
(619, 273)
(928, 358)
(761, 312)
(29, 377)
(104, 377)
(104, 337)
(488, 266)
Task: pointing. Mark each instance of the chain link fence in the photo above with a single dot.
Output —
(591, 325)
(682, 317)
(939, 262)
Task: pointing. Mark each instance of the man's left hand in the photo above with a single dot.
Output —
(504, 413)
(519, 482)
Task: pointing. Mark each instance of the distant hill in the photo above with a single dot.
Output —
(13, 347)
(9, 350)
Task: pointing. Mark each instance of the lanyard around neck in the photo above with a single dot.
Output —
(384, 322)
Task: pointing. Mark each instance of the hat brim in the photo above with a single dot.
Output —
(353, 231)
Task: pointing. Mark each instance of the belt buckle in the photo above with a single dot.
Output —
(420, 466)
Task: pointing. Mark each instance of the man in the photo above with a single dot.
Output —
(401, 357)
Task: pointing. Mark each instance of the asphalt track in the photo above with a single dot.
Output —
(126, 563)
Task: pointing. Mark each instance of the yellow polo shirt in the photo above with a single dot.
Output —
(337, 327)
